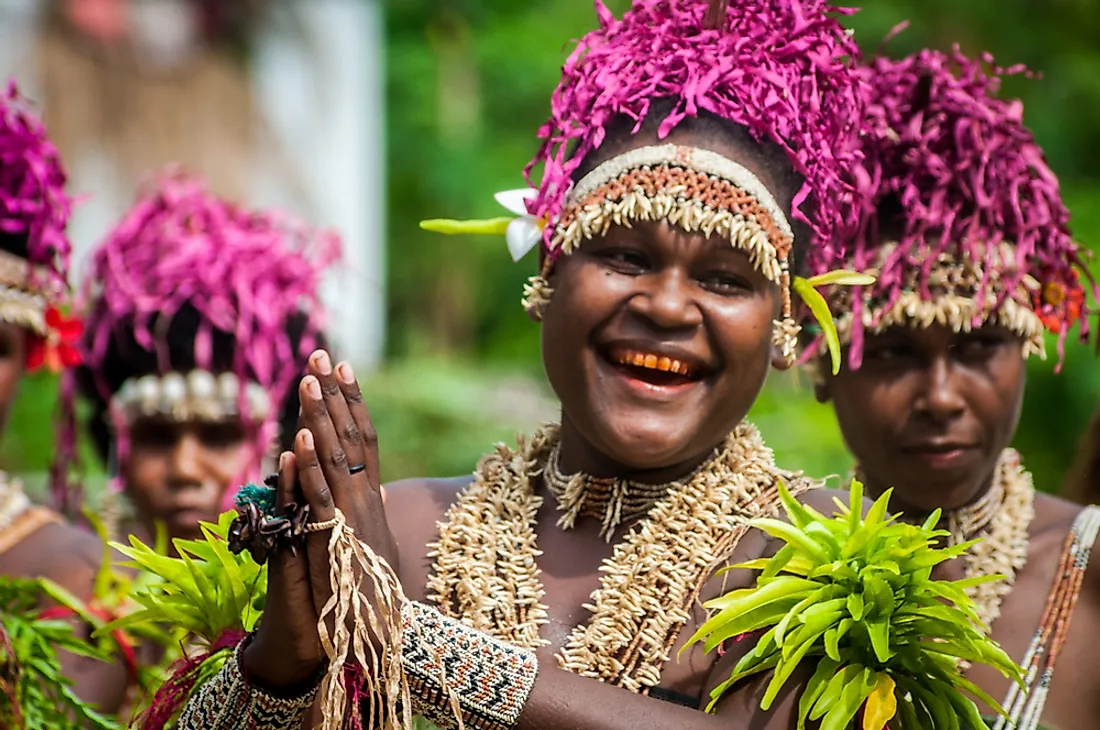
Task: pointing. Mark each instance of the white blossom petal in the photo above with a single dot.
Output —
(523, 235)
(513, 200)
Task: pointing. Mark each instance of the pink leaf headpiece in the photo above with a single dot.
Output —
(33, 201)
(780, 68)
(973, 192)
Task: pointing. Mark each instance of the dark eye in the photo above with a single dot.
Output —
(979, 346)
(624, 260)
(155, 434)
(725, 283)
(220, 434)
(890, 353)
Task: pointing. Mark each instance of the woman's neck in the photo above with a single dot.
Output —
(955, 498)
(579, 455)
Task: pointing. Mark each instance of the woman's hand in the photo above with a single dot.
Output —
(334, 465)
(286, 650)
(337, 457)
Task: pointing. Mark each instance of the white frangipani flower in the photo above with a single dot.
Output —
(525, 232)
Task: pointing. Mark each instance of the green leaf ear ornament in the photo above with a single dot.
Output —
(523, 231)
(852, 597)
(806, 289)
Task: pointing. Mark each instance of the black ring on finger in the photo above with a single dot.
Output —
(353, 470)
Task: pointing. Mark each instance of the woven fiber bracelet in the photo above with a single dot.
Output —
(446, 660)
(227, 701)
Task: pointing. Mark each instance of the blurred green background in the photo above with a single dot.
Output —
(469, 83)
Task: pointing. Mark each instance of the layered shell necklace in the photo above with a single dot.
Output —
(485, 570)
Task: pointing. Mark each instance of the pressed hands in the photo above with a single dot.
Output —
(334, 465)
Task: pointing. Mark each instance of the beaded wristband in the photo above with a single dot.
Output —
(228, 701)
(447, 661)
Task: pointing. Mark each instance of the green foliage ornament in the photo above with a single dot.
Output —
(33, 691)
(206, 599)
(856, 593)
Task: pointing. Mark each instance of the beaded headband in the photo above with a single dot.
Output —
(198, 396)
(22, 303)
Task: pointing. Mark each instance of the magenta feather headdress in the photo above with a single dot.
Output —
(33, 201)
(974, 193)
(245, 273)
(780, 68)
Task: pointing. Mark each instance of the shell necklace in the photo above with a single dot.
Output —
(485, 570)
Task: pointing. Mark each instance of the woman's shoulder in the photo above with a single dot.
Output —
(60, 551)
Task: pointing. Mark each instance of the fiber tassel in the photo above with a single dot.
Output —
(382, 677)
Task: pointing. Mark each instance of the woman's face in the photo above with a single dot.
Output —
(178, 472)
(930, 410)
(657, 341)
(13, 353)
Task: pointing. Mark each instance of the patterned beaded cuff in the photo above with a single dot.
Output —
(490, 679)
(228, 702)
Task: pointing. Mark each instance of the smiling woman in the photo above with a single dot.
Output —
(670, 223)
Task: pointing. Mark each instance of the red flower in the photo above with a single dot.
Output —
(1059, 303)
(58, 348)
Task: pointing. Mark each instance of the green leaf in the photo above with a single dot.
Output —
(820, 310)
(840, 277)
(815, 687)
(488, 227)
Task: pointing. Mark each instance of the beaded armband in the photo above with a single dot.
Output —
(488, 679)
(228, 702)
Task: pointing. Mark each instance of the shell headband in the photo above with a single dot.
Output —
(695, 189)
(198, 396)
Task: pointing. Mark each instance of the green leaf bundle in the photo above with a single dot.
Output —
(856, 594)
(33, 691)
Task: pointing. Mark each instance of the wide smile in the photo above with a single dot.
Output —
(655, 371)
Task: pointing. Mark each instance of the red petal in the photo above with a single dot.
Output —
(70, 356)
(70, 330)
(36, 353)
(53, 318)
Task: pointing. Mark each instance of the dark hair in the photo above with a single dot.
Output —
(709, 127)
(126, 358)
(14, 243)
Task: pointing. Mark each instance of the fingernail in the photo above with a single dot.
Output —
(314, 388)
(307, 438)
(282, 461)
(321, 360)
(346, 373)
